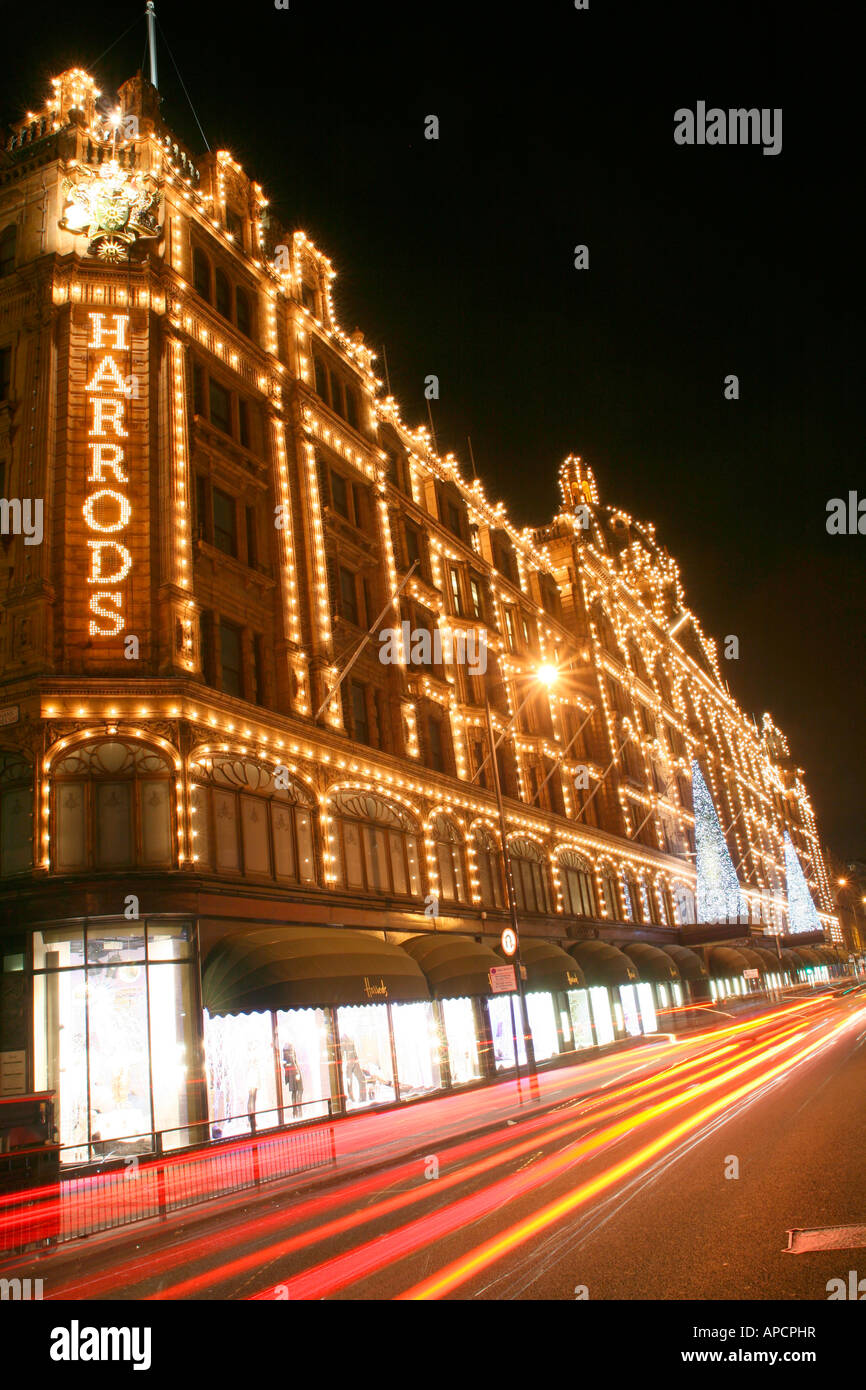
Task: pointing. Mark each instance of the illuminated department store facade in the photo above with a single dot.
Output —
(222, 892)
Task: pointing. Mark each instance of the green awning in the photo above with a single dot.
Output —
(652, 963)
(726, 963)
(689, 963)
(755, 960)
(456, 967)
(603, 964)
(770, 958)
(301, 967)
(548, 967)
(808, 955)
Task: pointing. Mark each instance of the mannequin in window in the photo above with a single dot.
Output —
(352, 1069)
(292, 1078)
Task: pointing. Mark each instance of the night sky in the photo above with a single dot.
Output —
(556, 129)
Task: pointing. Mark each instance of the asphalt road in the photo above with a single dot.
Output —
(625, 1192)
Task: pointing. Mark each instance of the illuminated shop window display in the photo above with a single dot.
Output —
(542, 1022)
(241, 1072)
(114, 1035)
(631, 1017)
(461, 1036)
(580, 1018)
(305, 1052)
(504, 1015)
(649, 1021)
(602, 1015)
(365, 1041)
(418, 1047)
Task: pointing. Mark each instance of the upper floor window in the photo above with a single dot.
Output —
(113, 807)
(243, 312)
(510, 629)
(5, 373)
(201, 275)
(375, 845)
(489, 864)
(577, 888)
(223, 294)
(529, 875)
(225, 529)
(248, 820)
(456, 596)
(449, 859)
(308, 296)
(220, 407)
(609, 899)
(8, 244)
(231, 660)
(16, 814)
(476, 597)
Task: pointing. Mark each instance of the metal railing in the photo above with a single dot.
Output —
(148, 1176)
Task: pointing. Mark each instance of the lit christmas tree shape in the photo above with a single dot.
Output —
(719, 896)
(802, 912)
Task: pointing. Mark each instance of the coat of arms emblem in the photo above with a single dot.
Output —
(113, 207)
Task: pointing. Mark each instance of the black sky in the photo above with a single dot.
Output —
(556, 128)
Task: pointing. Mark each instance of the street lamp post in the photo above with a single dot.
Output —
(512, 904)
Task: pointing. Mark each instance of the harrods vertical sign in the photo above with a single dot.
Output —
(107, 523)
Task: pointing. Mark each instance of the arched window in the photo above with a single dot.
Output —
(113, 806)
(252, 819)
(685, 903)
(375, 844)
(489, 864)
(201, 274)
(16, 814)
(632, 894)
(577, 886)
(448, 845)
(529, 874)
(609, 898)
(223, 294)
(322, 380)
(243, 312)
(8, 242)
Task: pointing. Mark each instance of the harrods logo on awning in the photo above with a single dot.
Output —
(375, 989)
(107, 509)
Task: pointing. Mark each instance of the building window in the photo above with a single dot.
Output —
(308, 296)
(244, 434)
(351, 407)
(609, 897)
(220, 407)
(198, 390)
(201, 274)
(114, 1032)
(243, 313)
(510, 630)
(448, 845)
(529, 875)
(456, 600)
(476, 598)
(5, 373)
(348, 596)
(257, 693)
(231, 660)
(453, 518)
(112, 808)
(436, 744)
(8, 241)
(252, 537)
(413, 547)
(576, 878)
(247, 823)
(16, 814)
(359, 717)
(340, 492)
(225, 536)
(222, 294)
(323, 380)
(235, 226)
(375, 845)
(489, 865)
